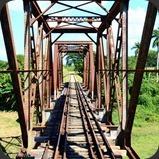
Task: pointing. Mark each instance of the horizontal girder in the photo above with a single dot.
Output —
(72, 19)
(74, 30)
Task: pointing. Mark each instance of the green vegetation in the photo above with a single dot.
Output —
(75, 61)
(136, 47)
(7, 98)
(146, 127)
(10, 141)
(67, 71)
(74, 65)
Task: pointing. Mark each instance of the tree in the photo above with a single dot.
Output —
(155, 36)
(151, 59)
(7, 98)
(137, 48)
(76, 60)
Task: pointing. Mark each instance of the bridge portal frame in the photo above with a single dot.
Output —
(39, 73)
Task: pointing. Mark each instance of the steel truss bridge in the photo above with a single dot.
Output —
(43, 70)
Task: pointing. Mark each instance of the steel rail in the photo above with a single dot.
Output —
(82, 96)
(91, 153)
(61, 141)
(90, 127)
(96, 143)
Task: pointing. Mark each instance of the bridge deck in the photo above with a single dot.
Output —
(72, 130)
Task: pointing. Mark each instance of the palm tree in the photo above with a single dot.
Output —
(155, 36)
(137, 48)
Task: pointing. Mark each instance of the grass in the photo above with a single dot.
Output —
(10, 141)
(9, 125)
(67, 72)
(145, 135)
(145, 139)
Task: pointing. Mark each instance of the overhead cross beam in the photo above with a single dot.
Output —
(74, 30)
(60, 19)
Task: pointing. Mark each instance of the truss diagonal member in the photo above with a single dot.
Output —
(113, 12)
(11, 55)
(141, 61)
(80, 9)
(155, 3)
(69, 8)
(2, 3)
(91, 38)
(41, 14)
(102, 7)
(36, 12)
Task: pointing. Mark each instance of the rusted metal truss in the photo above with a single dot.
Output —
(105, 72)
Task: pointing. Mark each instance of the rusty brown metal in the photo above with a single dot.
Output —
(11, 54)
(55, 67)
(43, 69)
(36, 11)
(98, 74)
(92, 70)
(124, 47)
(143, 52)
(113, 12)
(27, 51)
(103, 73)
(61, 19)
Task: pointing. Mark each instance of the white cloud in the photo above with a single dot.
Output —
(16, 5)
(136, 23)
(2, 46)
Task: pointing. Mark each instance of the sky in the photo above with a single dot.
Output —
(137, 12)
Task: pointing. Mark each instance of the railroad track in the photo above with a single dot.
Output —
(78, 134)
(97, 143)
(85, 138)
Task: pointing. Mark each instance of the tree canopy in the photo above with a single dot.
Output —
(76, 60)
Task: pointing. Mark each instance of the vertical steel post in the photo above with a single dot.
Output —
(108, 78)
(11, 54)
(98, 73)
(55, 63)
(87, 70)
(92, 70)
(50, 68)
(124, 62)
(27, 53)
(84, 71)
(39, 59)
(45, 76)
(103, 69)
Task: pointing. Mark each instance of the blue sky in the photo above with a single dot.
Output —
(137, 11)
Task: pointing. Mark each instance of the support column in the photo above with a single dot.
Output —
(124, 18)
(98, 74)
(87, 70)
(103, 70)
(46, 75)
(55, 65)
(92, 70)
(108, 79)
(27, 53)
(11, 55)
(84, 72)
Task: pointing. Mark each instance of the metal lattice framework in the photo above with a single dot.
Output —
(107, 68)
